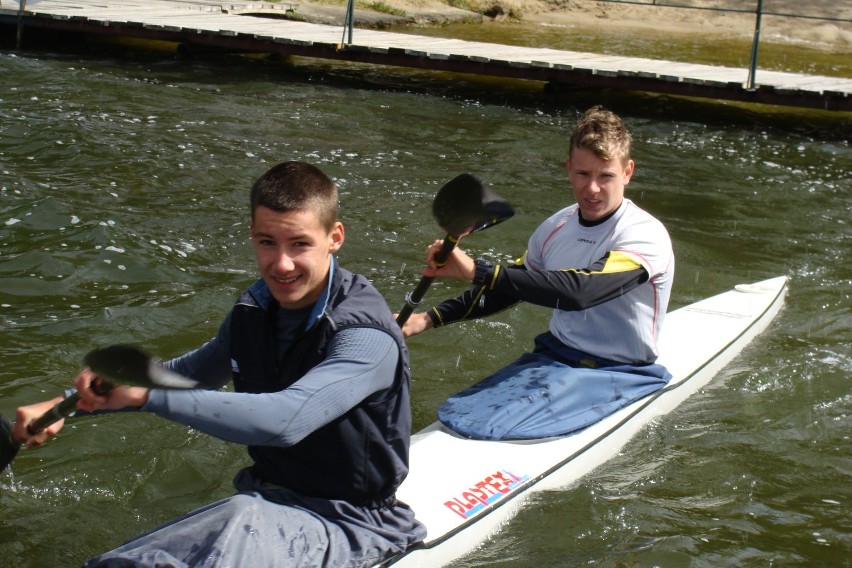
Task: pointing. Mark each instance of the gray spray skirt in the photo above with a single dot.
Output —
(271, 527)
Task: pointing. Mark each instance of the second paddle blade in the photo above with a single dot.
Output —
(128, 365)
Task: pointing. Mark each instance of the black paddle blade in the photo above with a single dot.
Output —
(9, 446)
(466, 205)
(128, 365)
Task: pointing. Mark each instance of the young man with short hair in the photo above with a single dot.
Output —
(605, 267)
(321, 399)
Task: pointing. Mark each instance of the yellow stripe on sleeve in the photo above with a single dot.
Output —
(494, 277)
(619, 262)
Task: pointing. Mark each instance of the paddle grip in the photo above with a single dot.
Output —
(413, 299)
(64, 408)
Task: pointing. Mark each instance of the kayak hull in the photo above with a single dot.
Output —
(464, 490)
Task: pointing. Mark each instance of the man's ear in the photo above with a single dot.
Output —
(336, 237)
(628, 171)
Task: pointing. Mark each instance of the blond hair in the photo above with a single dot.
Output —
(602, 132)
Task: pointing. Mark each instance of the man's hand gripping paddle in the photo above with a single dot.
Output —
(114, 365)
(463, 206)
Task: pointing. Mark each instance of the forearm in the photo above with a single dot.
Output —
(360, 363)
(500, 287)
(477, 302)
(569, 289)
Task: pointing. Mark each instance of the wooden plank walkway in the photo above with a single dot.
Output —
(211, 24)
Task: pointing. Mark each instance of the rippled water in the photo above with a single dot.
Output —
(123, 190)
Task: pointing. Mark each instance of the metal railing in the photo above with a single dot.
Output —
(756, 9)
(758, 12)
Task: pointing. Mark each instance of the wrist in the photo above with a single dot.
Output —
(434, 318)
(483, 271)
(137, 397)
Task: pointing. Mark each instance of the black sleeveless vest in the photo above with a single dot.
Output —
(362, 457)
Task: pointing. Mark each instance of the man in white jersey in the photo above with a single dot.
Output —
(605, 266)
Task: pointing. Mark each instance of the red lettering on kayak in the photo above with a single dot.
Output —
(484, 493)
(456, 508)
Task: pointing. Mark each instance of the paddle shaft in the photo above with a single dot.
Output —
(62, 409)
(9, 446)
(65, 407)
(121, 363)
(413, 299)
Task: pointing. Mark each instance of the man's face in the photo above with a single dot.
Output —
(598, 184)
(293, 252)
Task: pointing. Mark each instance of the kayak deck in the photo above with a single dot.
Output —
(463, 489)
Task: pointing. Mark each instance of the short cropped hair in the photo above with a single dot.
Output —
(296, 186)
(602, 132)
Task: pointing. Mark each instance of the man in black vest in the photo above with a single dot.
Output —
(321, 400)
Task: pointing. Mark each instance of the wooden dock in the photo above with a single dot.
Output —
(263, 28)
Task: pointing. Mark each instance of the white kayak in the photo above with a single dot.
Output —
(488, 481)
